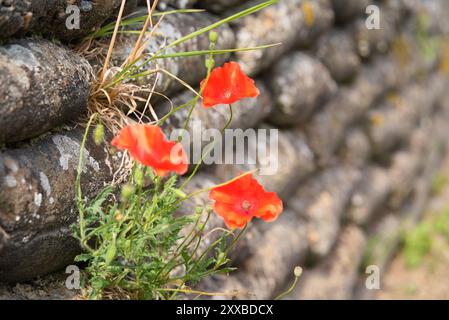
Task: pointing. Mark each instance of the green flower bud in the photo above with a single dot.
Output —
(179, 193)
(110, 254)
(127, 191)
(213, 36)
(198, 210)
(99, 134)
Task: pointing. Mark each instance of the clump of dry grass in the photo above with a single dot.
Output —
(115, 101)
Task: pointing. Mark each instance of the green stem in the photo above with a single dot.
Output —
(290, 289)
(197, 166)
(229, 248)
(79, 195)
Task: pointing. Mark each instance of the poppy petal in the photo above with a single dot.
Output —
(232, 218)
(243, 198)
(226, 85)
(147, 145)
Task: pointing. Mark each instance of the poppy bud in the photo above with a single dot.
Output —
(179, 193)
(198, 210)
(213, 37)
(99, 134)
(110, 254)
(297, 272)
(127, 191)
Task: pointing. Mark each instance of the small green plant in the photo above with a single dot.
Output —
(134, 250)
(135, 247)
(418, 241)
(439, 183)
(429, 45)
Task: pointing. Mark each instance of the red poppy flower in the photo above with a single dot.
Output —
(147, 144)
(243, 198)
(226, 85)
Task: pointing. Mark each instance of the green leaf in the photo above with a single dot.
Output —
(84, 257)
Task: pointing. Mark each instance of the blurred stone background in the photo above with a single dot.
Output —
(363, 124)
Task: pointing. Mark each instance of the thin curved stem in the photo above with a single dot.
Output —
(79, 195)
(228, 123)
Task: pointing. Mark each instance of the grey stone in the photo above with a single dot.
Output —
(181, 4)
(337, 51)
(321, 201)
(325, 131)
(408, 164)
(218, 6)
(372, 41)
(37, 201)
(300, 85)
(403, 172)
(336, 276)
(296, 29)
(43, 86)
(371, 194)
(356, 149)
(49, 17)
(391, 123)
(346, 10)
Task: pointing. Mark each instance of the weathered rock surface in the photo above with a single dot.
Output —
(378, 40)
(321, 201)
(218, 6)
(392, 122)
(37, 199)
(335, 277)
(49, 17)
(370, 195)
(325, 131)
(300, 85)
(302, 22)
(337, 51)
(181, 4)
(356, 149)
(345, 10)
(43, 85)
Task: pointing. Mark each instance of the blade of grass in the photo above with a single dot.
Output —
(207, 52)
(220, 23)
(109, 28)
(111, 46)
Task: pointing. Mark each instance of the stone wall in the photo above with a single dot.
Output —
(362, 117)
